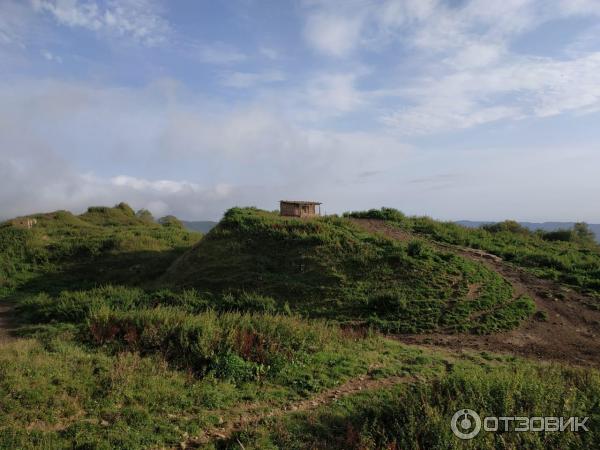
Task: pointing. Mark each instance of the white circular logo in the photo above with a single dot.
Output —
(465, 424)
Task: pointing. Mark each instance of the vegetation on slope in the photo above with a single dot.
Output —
(153, 378)
(59, 249)
(567, 256)
(140, 367)
(418, 416)
(327, 267)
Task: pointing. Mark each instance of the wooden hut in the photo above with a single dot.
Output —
(297, 208)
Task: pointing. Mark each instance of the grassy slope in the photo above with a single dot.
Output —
(143, 377)
(117, 367)
(101, 245)
(327, 267)
(571, 262)
(417, 416)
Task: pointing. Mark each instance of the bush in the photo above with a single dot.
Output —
(171, 221)
(77, 306)
(390, 214)
(417, 249)
(247, 302)
(510, 226)
(583, 234)
(145, 215)
(202, 341)
(558, 235)
(389, 303)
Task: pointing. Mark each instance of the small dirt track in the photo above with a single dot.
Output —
(570, 334)
(353, 386)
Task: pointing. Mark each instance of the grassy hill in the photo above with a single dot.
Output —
(137, 334)
(104, 244)
(327, 267)
(563, 256)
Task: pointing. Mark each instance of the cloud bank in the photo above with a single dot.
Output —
(491, 105)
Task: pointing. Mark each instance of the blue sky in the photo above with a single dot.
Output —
(458, 109)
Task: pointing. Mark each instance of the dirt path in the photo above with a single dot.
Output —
(354, 386)
(570, 333)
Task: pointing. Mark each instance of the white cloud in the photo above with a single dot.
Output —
(251, 79)
(68, 189)
(334, 93)
(52, 133)
(217, 53)
(49, 56)
(515, 88)
(332, 33)
(580, 7)
(433, 66)
(250, 155)
(269, 52)
(15, 23)
(476, 54)
(338, 27)
(139, 19)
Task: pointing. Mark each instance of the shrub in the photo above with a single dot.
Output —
(558, 235)
(390, 214)
(233, 367)
(145, 215)
(583, 234)
(170, 221)
(510, 226)
(247, 302)
(389, 302)
(206, 341)
(417, 249)
(76, 306)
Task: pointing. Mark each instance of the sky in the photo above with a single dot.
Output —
(456, 109)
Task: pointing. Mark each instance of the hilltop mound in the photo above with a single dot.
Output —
(102, 245)
(328, 267)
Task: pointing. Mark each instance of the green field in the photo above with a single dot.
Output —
(130, 333)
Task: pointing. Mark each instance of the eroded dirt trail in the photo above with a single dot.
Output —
(570, 333)
(353, 386)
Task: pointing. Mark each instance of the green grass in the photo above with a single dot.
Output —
(417, 416)
(188, 332)
(102, 245)
(561, 256)
(329, 268)
(119, 352)
(57, 393)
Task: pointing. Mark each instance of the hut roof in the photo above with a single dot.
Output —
(301, 202)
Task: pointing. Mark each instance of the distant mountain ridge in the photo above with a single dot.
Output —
(546, 226)
(203, 226)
